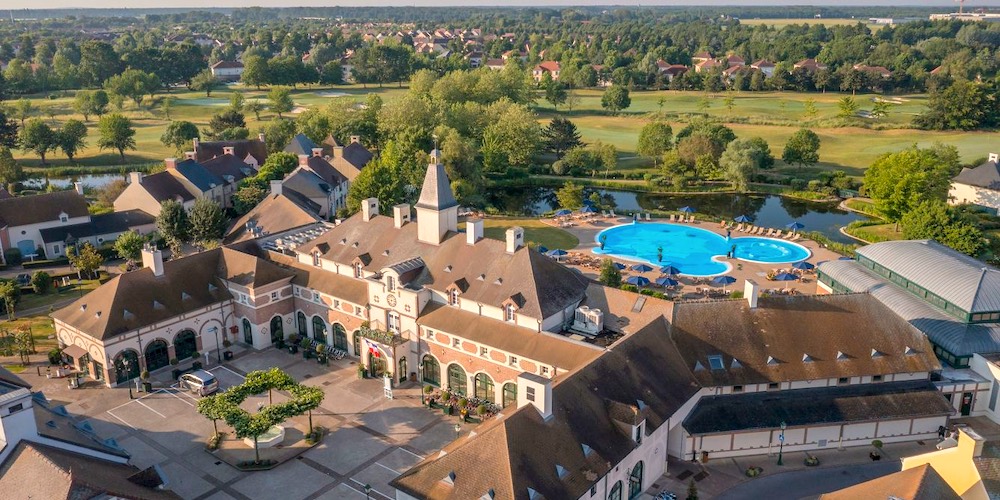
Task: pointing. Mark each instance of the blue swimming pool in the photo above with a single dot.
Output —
(692, 250)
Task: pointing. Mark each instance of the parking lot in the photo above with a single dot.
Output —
(371, 439)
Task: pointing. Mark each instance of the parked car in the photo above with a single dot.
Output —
(23, 279)
(199, 382)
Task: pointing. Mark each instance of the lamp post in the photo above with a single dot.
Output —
(368, 491)
(781, 441)
(458, 430)
(218, 348)
(125, 363)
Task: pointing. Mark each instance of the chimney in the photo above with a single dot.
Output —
(171, 163)
(189, 155)
(194, 144)
(355, 139)
(78, 187)
(229, 150)
(275, 187)
(400, 215)
(515, 239)
(303, 160)
(134, 177)
(473, 231)
(536, 391)
(994, 157)
(152, 258)
(751, 292)
(317, 152)
(369, 209)
(260, 137)
(338, 151)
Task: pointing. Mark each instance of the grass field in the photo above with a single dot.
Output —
(534, 232)
(773, 116)
(826, 22)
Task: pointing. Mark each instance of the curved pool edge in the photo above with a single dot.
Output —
(630, 258)
(808, 252)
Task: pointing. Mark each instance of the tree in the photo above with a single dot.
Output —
(247, 197)
(38, 138)
(739, 162)
(133, 84)
(254, 106)
(560, 136)
(934, 219)
(256, 72)
(555, 93)
(610, 276)
(880, 109)
(809, 107)
(964, 105)
(91, 102)
(615, 99)
(41, 282)
(116, 132)
(898, 182)
(277, 166)
(280, 99)
(86, 259)
(208, 221)
(382, 179)
(71, 138)
(848, 107)
(237, 101)
(173, 224)
(166, 105)
(179, 134)
(8, 130)
(10, 170)
(654, 140)
(570, 196)
(511, 138)
(228, 125)
(802, 148)
(205, 82)
(277, 133)
(10, 293)
(23, 109)
(128, 246)
(214, 408)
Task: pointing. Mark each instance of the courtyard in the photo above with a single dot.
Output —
(370, 439)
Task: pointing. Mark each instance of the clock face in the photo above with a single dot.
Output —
(391, 300)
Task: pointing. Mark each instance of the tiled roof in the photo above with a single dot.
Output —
(966, 282)
(343, 287)
(848, 335)
(227, 65)
(356, 155)
(276, 214)
(228, 165)
(325, 170)
(919, 483)
(25, 210)
(198, 175)
(986, 175)
(436, 191)
(162, 186)
(307, 183)
(109, 223)
(300, 145)
(207, 150)
(803, 407)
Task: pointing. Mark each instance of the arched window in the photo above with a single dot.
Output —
(484, 387)
(509, 394)
(616, 491)
(247, 332)
(126, 366)
(184, 344)
(359, 270)
(453, 297)
(431, 370)
(157, 355)
(339, 337)
(457, 381)
(319, 329)
(508, 312)
(277, 331)
(302, 324)
(635, 481)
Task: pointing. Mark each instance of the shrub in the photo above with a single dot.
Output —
(320, 348)
(226, 343)
(630, 288)
(463, 402)
(753, 471)
(55, 356)
(815, 185)
(446, 396)
(481, 410)
(174, 361)
(811, 461)
(428, 389)
(877, 443)
(12, 256)
(195, 354)
(798, 184)
(41, 282)
(144, 375)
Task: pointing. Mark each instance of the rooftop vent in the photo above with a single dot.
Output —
(498, 281)
(586, 449)
(185, 296)
(355, 244)
(489, 495)
(735, 364)
(98, 314)
(83, 307)
(588, 321)
(386, 252)
(450, 478)
(447, 268)
(841, 355)
(561, 471)
(772, 361)
(807, 358)
(343, 241)
(157, 305)
(127, 316)
(481, 277)
(876, 354)
(698, 366)
(910, 351)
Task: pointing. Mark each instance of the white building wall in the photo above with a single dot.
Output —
(964, 193)
(33, 231)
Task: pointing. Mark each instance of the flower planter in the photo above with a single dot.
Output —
(293, 349)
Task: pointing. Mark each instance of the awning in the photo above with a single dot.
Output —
(74, 351)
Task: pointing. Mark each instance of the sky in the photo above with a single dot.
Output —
(59, 4)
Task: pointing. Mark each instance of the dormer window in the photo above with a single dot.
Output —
(453, 297)
(508, 312)
(359, 270)
(63, 217)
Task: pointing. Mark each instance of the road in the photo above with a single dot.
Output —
(809, 483)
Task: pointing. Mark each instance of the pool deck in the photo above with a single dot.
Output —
(587, 229)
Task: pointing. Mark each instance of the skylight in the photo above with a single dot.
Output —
(716, 363)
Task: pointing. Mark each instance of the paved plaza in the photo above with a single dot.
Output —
(370, 440)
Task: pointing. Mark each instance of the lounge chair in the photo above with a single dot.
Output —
(770, 232)
(796, 237)
(613, 216)
(648, 217)
(760, 230)
(739, 227)
(722, 224)
(672, 218)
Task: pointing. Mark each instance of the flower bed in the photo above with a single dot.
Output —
(469, 409)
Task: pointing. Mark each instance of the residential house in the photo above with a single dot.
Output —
(543, 68)
(707, 65)
(183, 181)
(764, 66)
(23, 218)
(734, 60)
(475, 58)
(810, 65)
(495, 64)
(978, 186)
(701, 57)
(880, 71)
(515, 54)
(350, 159)
(101, 230)
(253, 152)
(670, 71)
(318, 180)
(231, 170)
(227, 71)
(281, 211)
(46, 453)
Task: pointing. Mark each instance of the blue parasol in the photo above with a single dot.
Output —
(743, 218)
(670, 270)
(637, 280)
(642, 268)
(686, 209)
(785, 277)
(666, 281)
(805, 266)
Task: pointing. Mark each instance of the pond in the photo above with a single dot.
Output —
(89, 180)
(765, 210)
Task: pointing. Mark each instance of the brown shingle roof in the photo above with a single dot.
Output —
(547, 286)
(36, 470)
(619, 307)
(521, 450)
(24, 210)
(343, 287)
(163, 186)
(275, 214)
(207, 150)
(770, 344)
(918, 483)
(228, 165)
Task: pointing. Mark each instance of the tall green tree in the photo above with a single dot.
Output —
(38, 137)
(615, 99)
(247, 197)
(23, 109)
(85, 259)
(964, 105)
(116, 133)
(91, 103)
(610, 276)
(8, 130)
(128, 246)
(848, 107)
(179, 134)
(560, 136)
(208, 221)
(173, 224)
(280, 99)
(10, 171)
(898, 182)
(256, 72)
(654, 140)
(934, 219)
(570, 196)
(71, 138)
(555, 93)
(802, 148)
(205, 82)
(382, 179)
(10, 293)
(227, 125)
(277, 133)
(133, 84)
(739, 162)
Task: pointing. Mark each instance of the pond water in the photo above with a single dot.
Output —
(91, 180)
(765, 210)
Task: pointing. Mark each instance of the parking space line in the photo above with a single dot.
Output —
(150, 409)
(183, 400)
(122, 420)
(394, 471)
(228, 370)
(373, 489)
(411, 453)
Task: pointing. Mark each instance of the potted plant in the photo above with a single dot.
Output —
(294, 339)
(753, 471)
(811, 461)
(146, 385)
(280, 343)
(321, 356)
(362, 371)
(604, 240)
(464, 413)
(481, 411)
(446, 396)
(227, 354)
(448, 409)
(197, 364)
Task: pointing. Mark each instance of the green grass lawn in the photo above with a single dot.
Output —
(877, 233)
(534, 232)
(42, 330)
(32, 301)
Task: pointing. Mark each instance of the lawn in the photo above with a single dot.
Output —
(780, 23)
(534, 232)
(73, 291)
(876, 233)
